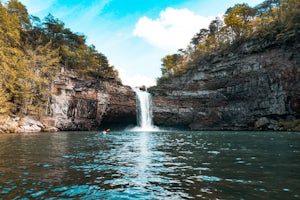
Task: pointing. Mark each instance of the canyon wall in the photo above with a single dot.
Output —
(88, 104)
(252, 87)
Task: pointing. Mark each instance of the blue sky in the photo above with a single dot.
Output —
(135, 34)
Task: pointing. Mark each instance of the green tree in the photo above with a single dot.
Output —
(44, 64)
(10, 56)
(199, 38)
(4, 101)
(16, 8)
(172, 65)
(238, 19)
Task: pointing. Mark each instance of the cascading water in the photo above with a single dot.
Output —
(144, 111)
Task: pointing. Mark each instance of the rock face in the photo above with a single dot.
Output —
(83, 104)
(252, 87)
(23, 125)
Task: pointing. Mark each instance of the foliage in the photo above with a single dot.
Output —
(237, 20)
(172, 65)
(32, 51)
(274, 20)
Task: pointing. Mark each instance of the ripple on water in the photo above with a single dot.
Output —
(214, 152)
(209, 178)
(59, 189)
(136, 166)
(239, 161)
(39, 193)
(286, 189)
(121, 181)
(7, 190)
(238, 180)
(206, 190)
(202, 168)
(78, 190)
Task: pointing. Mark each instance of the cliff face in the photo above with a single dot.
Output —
(251, 88)
(79, 104)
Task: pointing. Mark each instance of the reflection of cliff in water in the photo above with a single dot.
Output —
(33, 154)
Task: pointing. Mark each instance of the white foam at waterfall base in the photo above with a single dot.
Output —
(144, 112)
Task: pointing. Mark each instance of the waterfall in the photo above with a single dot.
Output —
(144, 111)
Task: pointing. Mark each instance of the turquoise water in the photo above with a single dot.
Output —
(150, 165)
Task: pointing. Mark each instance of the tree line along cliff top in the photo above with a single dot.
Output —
(276, 21)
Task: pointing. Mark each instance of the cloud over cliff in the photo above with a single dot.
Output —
(172, 30)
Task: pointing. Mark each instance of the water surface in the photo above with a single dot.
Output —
(150, 165)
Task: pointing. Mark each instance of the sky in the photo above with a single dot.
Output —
(135, 34)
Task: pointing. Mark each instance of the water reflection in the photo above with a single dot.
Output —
(143, 160)
(150, 165)
(20, 152)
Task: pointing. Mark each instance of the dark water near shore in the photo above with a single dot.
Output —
(157, 165)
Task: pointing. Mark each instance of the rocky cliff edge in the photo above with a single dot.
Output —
(255, 86)
(88, 104)
(79, 104)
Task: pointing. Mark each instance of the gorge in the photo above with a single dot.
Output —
(253, 87)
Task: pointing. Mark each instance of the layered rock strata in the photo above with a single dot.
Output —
(86, 104)
(252, 87)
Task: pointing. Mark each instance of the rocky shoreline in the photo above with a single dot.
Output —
(24, 125)
(29, 125)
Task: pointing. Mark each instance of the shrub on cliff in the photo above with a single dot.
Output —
(291, 125)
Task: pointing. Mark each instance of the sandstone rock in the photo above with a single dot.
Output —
(20, 125)
(29, 125)
(31, 122)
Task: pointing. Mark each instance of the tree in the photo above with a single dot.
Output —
(16, 8)
(215, 26)
(9, 28)
(4, 101)
(199, 38)
(44, 64)
(238, 19)
(266, 7)
(171, 65)
(10, 61)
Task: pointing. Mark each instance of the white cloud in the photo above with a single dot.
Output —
(172, 30)
(135, 80)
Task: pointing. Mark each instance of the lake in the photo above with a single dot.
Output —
(150, 165)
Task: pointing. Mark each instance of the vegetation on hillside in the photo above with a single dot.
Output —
(272, 20)
(32, 51)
